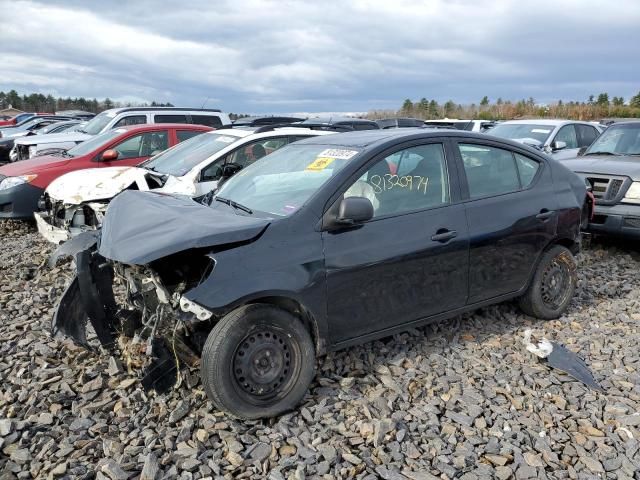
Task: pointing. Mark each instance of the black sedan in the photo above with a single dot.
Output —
(335, 241)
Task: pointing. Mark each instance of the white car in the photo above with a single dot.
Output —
(116, 117)
(479, 126)
(561, 139)
(76, 202)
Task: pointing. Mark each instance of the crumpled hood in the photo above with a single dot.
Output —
(628, 166)
(75, 137)
(92, 184)
(33, 165)
(140, 227)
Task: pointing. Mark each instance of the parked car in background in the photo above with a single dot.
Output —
(121, 117)
(322, 247)
(84, 115)
(402, 122)
(479, 126)
(23, 183)
(76, 202)
(265, 120)
(67, 126)
(346, 122)
(7, 122)
(561, 139)
(611, 165)
(34, 124)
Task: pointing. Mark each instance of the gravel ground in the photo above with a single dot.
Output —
(459, 399)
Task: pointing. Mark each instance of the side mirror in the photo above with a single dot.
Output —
(558, 145)
(109, 155)
(354, 210)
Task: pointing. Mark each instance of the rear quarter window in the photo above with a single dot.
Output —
(208, 120)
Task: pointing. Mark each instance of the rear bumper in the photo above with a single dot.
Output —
(20, 201)
(618, 220)
(50, 232)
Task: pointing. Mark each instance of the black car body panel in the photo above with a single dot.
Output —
(359, 282)
(159, 225)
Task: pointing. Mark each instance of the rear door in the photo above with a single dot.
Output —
(511, 212)
(411, 260)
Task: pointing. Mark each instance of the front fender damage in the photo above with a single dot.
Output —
(131, 312)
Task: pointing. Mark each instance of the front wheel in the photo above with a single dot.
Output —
(552, 286)
(257, 362)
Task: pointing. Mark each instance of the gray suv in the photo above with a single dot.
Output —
(611, 165)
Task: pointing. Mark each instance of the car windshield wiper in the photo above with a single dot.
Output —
(235, 205)
(64, 153)
(603, 153)
(81, 130)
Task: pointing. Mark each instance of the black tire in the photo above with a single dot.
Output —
(257, 362)
(552, 286)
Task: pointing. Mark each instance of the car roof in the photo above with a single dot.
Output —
(160, 109)
(155, 126)
(370, 138)
(543, 121)
(331, 120)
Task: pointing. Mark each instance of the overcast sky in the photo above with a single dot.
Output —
(291, 56)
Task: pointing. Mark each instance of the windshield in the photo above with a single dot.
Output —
(95, 143)
(178, 160)
(97, 123)
(621, 139)
(522, 131)
(292, 174)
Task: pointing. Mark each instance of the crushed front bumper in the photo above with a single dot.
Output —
(151, 323)
(48, 231)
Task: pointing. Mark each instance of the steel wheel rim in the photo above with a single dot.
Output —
(556, 284)
(264, 365)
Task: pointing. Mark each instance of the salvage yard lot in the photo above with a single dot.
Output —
(457, 399)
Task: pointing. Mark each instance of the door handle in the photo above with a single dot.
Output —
(545, 214)
(443, 235)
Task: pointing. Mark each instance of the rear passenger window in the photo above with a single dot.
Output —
(527, 169)
(171, 119)
(208, 120)
(186, 134)
(131, 120)
(490, 171)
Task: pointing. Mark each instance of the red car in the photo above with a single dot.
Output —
(10, 121)
(23, 183)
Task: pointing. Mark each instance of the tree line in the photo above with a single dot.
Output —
(594, 108)
(37, 102)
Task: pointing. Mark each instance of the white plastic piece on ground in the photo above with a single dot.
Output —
(542, 349)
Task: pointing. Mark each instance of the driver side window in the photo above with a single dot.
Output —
(567, 134)
(411, 179)
(143, 145)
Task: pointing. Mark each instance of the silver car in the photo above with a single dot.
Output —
(562, 139)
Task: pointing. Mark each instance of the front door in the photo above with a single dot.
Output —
(511, 217)
(138, 148)
(411, 260)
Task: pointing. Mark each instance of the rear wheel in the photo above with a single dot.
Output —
(552, 286)
(257, 362)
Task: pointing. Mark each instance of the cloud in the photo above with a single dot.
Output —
(266, 55)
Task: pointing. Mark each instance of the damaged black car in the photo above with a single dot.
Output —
(338, 240)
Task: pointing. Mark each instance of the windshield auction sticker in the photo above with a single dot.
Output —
(320, 163)
(338, 153)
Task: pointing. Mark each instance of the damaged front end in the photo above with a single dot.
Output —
(58, 221)
(136, 309)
